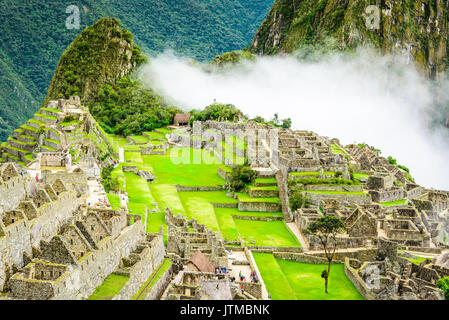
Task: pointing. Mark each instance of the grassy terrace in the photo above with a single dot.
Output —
(114, 200)
(244, 197)
(358, 175)
(337, 150)
(139, 139)
(46, 117)
(184, 171)
(51, 110)
(69, 123)
(393, 203)
(110, 287)
(152, 280)
(336, 192)
(291, 280)
(263, 188)
(266, 180)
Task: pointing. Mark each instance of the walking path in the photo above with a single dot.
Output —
(245, 270)
(294, 228)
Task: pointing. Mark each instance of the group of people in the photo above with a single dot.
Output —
(221, 270)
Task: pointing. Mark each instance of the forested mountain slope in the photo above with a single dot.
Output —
(34, 37)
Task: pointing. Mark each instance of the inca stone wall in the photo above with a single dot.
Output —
(151, 259)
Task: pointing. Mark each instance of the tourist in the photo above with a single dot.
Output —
(241, 287)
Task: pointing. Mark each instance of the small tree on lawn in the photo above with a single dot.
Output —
(240, 177)
(326, 229)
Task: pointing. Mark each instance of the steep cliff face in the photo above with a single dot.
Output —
(101, 54)
(415, 28)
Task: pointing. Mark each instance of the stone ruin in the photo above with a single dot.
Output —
(184, 238)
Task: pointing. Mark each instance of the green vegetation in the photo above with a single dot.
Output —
(114, 200)
(316, 181)
(195, 28)
(291, 280)
(443, 284)
(129, 108)
(106, 179)
(110, 287)
(240, 177)
(191, 167)
(393, 203)
(297, 200)
(265, 233)
(231, 58)
(336, 149)
(326, 228)
(98, 47)
(217, 111)
(276, 122)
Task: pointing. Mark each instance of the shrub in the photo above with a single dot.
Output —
(106, 179)
(218, 111)
(298, 200)
(443, 284)
(240, 177)
(392, 160)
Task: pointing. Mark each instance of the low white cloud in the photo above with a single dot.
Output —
(361, 97)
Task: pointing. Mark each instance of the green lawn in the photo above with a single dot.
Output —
(291, 280)
(244, 197)
(156, 135)
(198, 206)
(393, 203)
(139, 139)
(266, 233)
(184, 166)
(337, 150)
(114, 200)
(139, 193)
(167, 196)
(358, 175)
(266, 180)
(110, 287)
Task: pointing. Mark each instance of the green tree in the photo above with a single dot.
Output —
(287, 123)
(240, 177)
(297, 200)
(326, 229)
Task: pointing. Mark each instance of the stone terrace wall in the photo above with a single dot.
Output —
(358, 282)
(259, 206)
(151, 259)
(12, 193)
(315, 198)
(13, 245)
(52, 216)
(94, 268)
(159, 287)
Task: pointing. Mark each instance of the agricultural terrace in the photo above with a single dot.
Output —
(194, 168)
(291, 280)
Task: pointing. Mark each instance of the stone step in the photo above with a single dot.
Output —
(21, 145)
(49, 120)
